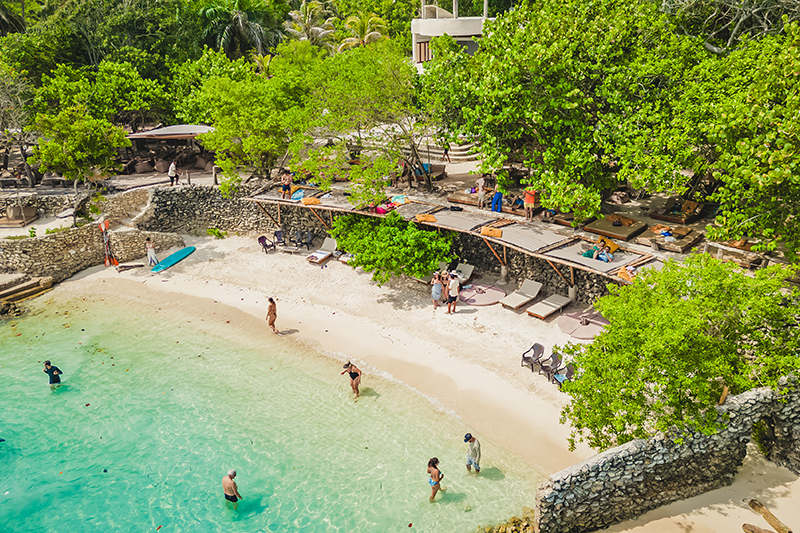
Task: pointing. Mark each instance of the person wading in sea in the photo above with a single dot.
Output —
(230, 489)
(53, 372)
(436, 478)
(355, 376)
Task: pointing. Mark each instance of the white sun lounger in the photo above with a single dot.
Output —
(464, 272)
(325, 251)
(527, 292)
(548, 306)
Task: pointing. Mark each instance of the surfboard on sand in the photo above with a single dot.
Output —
(173, 259)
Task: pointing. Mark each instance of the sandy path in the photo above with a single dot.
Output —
(467, 362)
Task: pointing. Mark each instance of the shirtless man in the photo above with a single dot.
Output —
(230, 490)
(286, 184)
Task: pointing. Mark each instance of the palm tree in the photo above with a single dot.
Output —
(306, 24)
(10, 22)
(262, 63)
(234, 26)
(365, 27)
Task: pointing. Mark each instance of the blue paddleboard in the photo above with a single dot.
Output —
(174, 259)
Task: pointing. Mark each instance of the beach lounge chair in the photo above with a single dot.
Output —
(429, 277)
(550, 366)
(280, 242)
(563, 375)
(266, 244)
(527, 292)
(534, 359)
(326, 251)
(464, 272)
(548, 306)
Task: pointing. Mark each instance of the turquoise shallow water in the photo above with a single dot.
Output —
(173, 403)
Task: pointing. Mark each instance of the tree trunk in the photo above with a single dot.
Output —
(418, 162)
(779, 526)
(28, 172)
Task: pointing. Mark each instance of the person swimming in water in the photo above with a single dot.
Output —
(355, 376)
(230, 490)
(436, 478)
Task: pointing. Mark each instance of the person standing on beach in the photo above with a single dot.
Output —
(286, 184)
(473, 453)
(230, 490)
(52, 372)
(355, 376)
(453, 294)
(172, 173)
(436, 291)
(436, 478)
(150, 248)
(530, 203)
(272, 314)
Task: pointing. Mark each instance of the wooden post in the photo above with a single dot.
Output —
(558, 272)
(495, 253)
(279, 216)
(779, 526)
(724, 395)
(750, 528)
(267, 213)
(505, 259)
(572, 274)
(319, 218)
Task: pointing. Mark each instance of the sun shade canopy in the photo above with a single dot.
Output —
(179, 131)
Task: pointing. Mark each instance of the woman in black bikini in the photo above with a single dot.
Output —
(355, 376)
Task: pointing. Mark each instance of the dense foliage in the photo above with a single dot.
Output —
(391, 246)
(677, 337)
(590, 96)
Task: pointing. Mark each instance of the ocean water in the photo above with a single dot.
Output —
(156, 407)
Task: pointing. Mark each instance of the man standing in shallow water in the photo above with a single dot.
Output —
(53, 372)
(230, 490)
(473, 453)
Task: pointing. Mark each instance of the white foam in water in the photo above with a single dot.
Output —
(172, 407)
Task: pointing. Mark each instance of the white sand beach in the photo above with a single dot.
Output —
(468, 362)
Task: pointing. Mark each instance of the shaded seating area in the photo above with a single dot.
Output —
(526, 293)
(679, 211)
(326, 250)
(616, 227)
(679, 239)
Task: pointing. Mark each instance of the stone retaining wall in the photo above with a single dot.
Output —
(124, 205)
(48, 205)
(629, 480)
(62, 254)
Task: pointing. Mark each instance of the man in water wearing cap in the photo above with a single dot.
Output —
(230, 490)
(473, 453)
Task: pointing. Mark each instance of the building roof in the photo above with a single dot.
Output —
(178, 131)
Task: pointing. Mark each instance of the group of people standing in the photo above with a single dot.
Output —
(439, 282)
(473, 461)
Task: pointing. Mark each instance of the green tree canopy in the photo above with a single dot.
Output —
(676, 338)
(77, 145)
(364, 28)
(391, 246)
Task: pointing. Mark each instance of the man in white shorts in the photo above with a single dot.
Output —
(473, 453)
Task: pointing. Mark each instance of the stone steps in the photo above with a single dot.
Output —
(27, 289)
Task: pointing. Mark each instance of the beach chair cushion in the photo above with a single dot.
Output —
(310, 201)
(492, 232)
(424, 218)
(527, 292)
(548, 306)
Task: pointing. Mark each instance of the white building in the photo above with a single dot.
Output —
(436, 22)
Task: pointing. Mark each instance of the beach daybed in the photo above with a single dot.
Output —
(627, 229)
(548, 306)
(679, 211)
(526, 293)
(683, 238)
(325, 251)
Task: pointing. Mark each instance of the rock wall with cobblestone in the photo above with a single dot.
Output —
(125, 205)
(62, 254)
(629, 480)
(48, 205)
